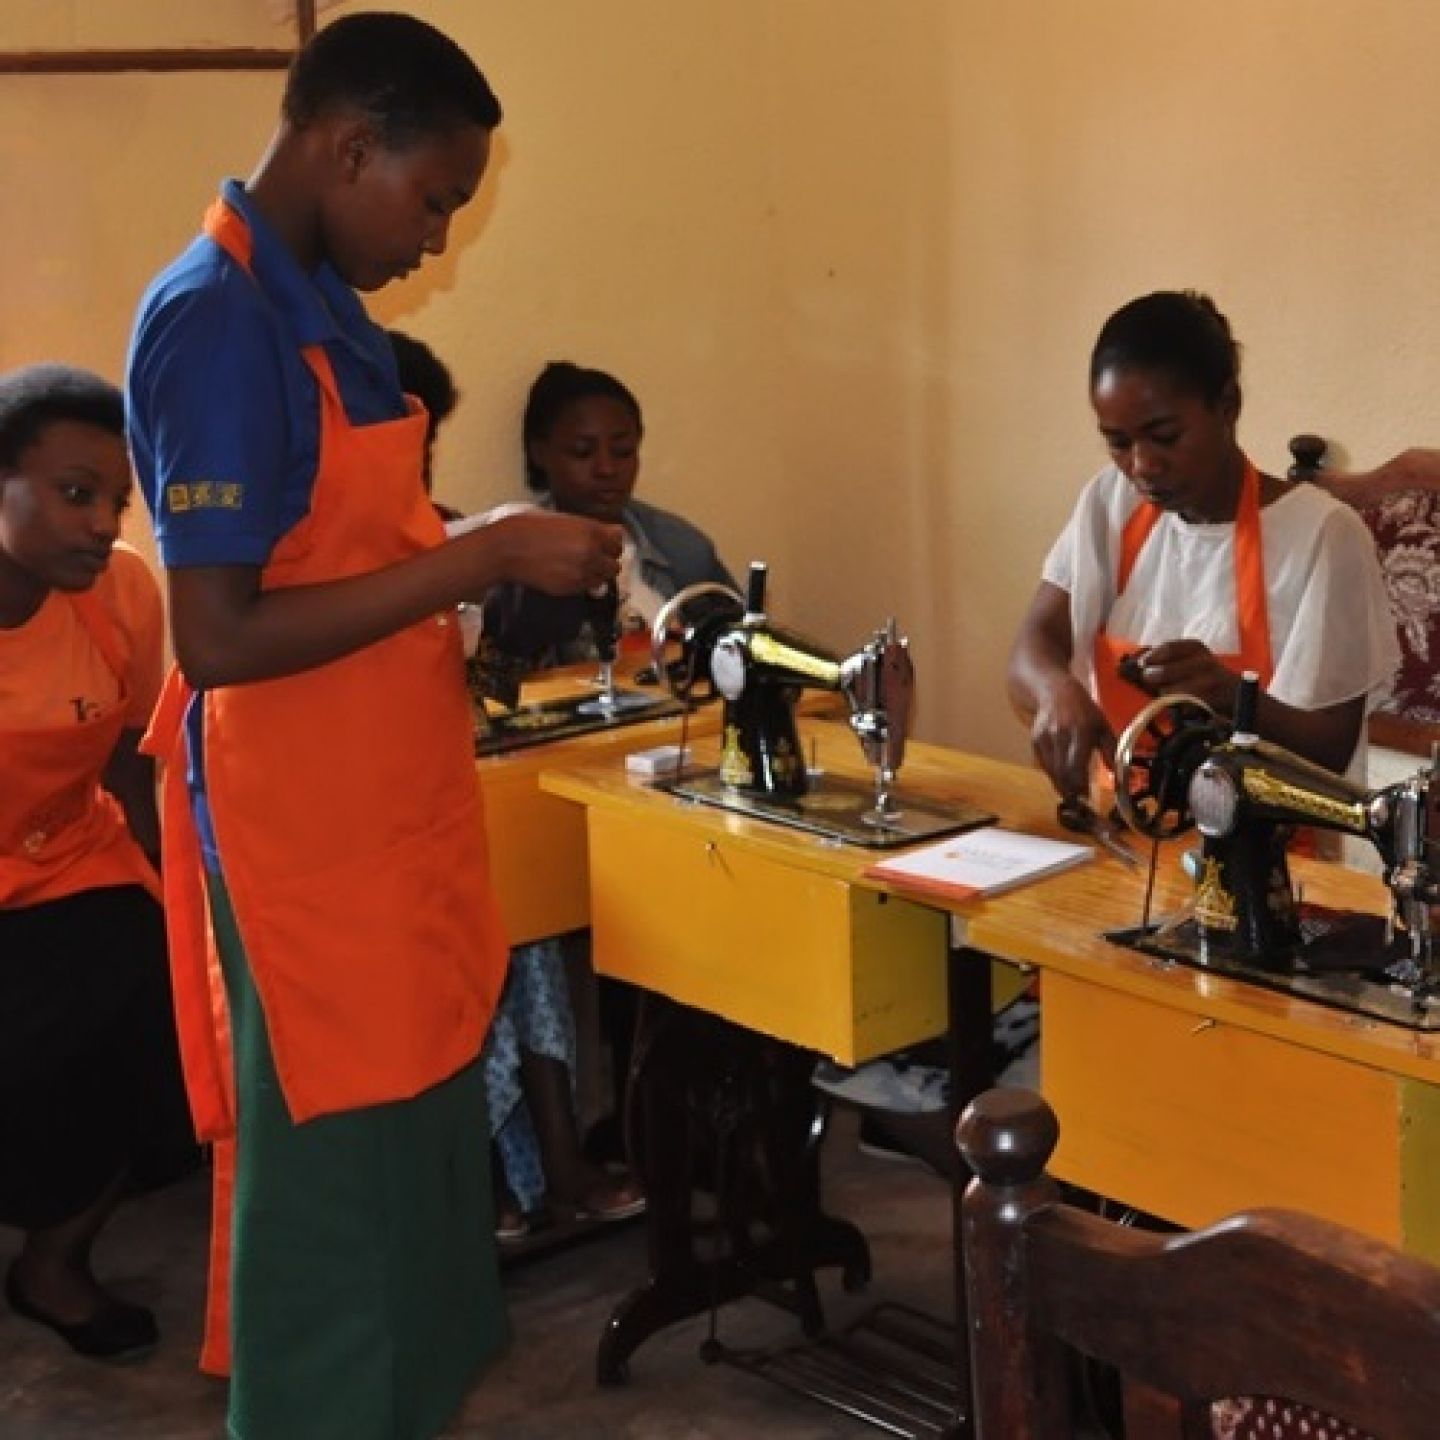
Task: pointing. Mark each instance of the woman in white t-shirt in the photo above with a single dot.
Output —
(1183, 566)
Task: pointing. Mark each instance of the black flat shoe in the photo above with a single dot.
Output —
(116, 1330)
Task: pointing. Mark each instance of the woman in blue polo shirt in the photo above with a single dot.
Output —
(321, 812)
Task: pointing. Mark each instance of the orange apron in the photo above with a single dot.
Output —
(61, 832)
(1119, 699)
(347, 816)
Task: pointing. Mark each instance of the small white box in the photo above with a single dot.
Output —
(661, 762)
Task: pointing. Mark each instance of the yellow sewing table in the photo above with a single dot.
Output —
(537, 844)
(1185, 1094)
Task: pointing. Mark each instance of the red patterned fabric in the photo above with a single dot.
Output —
(1262, 1417)
(1406, 528)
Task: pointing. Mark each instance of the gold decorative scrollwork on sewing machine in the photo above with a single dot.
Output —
(1214, 904)
(1305, 805)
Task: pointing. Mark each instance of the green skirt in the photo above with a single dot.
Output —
(365, 1292)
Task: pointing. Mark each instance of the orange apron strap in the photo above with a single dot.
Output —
(1132, 542)
(227, 228)
(1252, 611)
(316, 357)
(201, 1015)
(1122, 701)
(1119, 700)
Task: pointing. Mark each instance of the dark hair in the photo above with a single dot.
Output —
(1180, 332)
(424, 374)
(33, 399)
(406, 77)
(556, 387)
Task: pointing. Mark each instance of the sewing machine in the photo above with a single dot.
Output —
(521, 625)
(708, 643)
(1179, 765)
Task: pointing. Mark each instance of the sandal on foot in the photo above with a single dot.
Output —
(620, 1199)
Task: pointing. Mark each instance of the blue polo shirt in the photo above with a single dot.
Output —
(223, 413)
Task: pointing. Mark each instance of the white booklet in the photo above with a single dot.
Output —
(981, 862)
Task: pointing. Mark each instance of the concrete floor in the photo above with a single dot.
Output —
(544, 1388)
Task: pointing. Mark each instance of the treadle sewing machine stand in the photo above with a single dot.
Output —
(722, 1109)
(895, 1367)
(721, 1092)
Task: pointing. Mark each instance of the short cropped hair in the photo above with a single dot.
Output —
(405, 76)
(38, 396)
(1178, 332)
(556, 388)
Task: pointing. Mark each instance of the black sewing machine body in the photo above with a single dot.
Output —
(1249, 799)
(708, 643)
(524, 628)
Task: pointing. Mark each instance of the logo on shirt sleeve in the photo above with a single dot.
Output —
(184, 495)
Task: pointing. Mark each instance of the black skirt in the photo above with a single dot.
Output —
(90, 1080)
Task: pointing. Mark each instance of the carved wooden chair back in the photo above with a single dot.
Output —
(1269, 1324)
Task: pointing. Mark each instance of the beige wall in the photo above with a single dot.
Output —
(850, 253)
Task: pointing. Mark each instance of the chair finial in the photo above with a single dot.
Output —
(1007, 1136)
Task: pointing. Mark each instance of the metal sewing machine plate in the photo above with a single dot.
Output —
(549, 720)
(1343, 960)
(838, 809)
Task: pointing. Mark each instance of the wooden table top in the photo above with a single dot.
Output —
(1054, 923)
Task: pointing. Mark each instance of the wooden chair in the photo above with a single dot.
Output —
(1400, 502)
(1264, 1325)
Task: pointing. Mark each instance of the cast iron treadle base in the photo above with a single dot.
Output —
(893, 1368)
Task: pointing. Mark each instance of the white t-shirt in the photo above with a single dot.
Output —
(1332, 634)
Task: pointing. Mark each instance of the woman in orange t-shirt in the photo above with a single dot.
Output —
(91, 1100)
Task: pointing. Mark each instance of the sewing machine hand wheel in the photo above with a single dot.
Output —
(690, 619)
(1155, 756)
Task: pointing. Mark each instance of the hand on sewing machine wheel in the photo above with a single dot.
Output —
(1069, 728)
(1187, 667)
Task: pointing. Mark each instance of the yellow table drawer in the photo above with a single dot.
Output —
(1192, 1120)
(780, 949)
(537, 842)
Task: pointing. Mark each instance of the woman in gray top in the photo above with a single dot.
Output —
(582, 432)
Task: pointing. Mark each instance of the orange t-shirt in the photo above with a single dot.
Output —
(52, 674)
